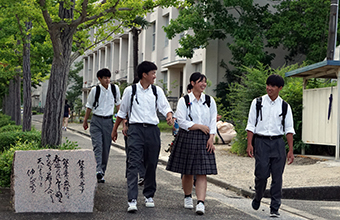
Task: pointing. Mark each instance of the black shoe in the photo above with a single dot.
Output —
(274, 213)
(102, 180)
(100, 177)
(255, 204)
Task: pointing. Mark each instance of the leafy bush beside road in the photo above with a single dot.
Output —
(6, 157)
(10, 128)
(9, 138)
(12, 138)
(5, 120)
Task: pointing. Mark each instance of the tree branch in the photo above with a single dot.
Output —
(20, 28)
(44, 11)
(82, 18)
(75, 55)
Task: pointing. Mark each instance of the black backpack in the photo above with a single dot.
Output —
(96, 97)
(134, 88)
(187, 103)
(259, 111)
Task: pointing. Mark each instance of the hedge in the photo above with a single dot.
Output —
(6, 157)
(11, 137)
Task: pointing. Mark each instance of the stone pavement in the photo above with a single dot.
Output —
(308, 177)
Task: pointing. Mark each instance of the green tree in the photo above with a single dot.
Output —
(68, 24)
(142, 24)
(243, 22)
(302, 28)
(18, 50)
(210, 20)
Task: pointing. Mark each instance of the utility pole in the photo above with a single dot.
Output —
(333, 24)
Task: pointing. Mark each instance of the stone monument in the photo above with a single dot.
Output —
(54, 181)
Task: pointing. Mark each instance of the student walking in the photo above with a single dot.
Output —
(193, 149)
(140, 103)
(270, 117)
(67, 113)
(102, 103)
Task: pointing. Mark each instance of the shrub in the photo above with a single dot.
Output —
(10, 128)
(5, 120)
(11, 137)
(6, 158)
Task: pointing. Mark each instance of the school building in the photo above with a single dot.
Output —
(173, 71)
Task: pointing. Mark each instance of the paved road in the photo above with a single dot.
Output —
(110, 198)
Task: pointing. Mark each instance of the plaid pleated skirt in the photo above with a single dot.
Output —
(189, 154)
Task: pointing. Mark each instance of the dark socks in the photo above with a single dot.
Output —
(200, 201)
(185, 196)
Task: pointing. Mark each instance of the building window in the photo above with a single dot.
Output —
(166, 21)
(198, 67)
(153, 36)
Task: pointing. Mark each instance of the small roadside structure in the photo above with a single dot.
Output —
(320, 121)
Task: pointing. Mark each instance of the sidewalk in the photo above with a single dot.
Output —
(310, 174)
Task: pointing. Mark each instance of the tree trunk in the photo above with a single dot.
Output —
(27, 91)
(11, 100)
(17, 99)
(6, 104)
(54, 108)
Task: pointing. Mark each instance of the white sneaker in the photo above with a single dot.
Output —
(200, 208)
(132, 206)
(149, 202)
(188, 204)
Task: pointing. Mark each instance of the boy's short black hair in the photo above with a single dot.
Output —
(275, 80)
(145, 67)
(197, 76)
(103, 72)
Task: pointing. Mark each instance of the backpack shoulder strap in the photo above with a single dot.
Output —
(188, 104)
(96, 97)
(207, 100)
(186, 99)
(284, 113)
(154, 90)
(258, 108)
(114, 92)
(132, 95)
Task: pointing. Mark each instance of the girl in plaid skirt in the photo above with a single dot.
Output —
(193, 149)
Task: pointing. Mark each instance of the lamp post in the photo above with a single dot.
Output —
(333, 24)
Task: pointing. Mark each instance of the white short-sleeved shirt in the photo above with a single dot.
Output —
(199, 112)
(144, 105)
(271, 123)
(106, 100)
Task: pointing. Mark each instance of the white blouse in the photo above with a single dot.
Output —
(199, 112)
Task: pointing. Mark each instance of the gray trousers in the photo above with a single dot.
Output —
(270, 158)
(143, 145)
(141, 169)
(100, 130)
